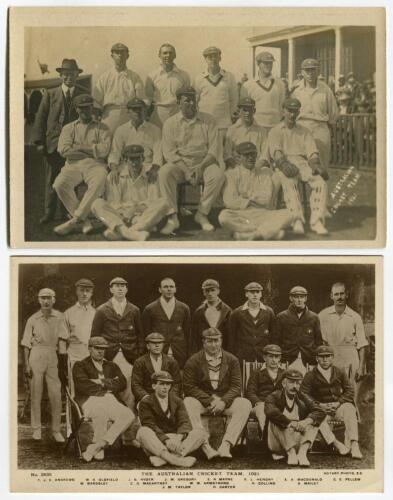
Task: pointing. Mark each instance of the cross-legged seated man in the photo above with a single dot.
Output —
(296, 156)
(265, 381)
(329, 387)
(85, 144)
(97, 385)
(166, 433)
(212, 384)
(132, 205)
(191, 147)
(293, 421)
(250, 196)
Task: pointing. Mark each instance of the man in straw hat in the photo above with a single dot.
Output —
(98, 383)
(166, 433)
(40, 342)
(56, 110)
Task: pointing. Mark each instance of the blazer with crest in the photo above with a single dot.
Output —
(176, 422)
(176, 330)
(197, 384)
(121, 332)
(143, 370)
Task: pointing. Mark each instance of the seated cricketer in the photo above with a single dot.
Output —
(85, 145)
(250, 197)
(212, 384)
(192, 149)
(328, 387)
(153, 361)
(132, 206)
(296, 156)
(166, 433)
(264, 381)
(98, 383)
(293, 421)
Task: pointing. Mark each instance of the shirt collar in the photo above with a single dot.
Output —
(175, 69)
(293, 309)
(142, 125)
(153, 360)
(64, 88)
(117, 303)
(124, 173)
(52, 314)
(167, 302)
(186, 120)
(218, 305)
(80, 306)
(93, 121)
(123, 71)
(221, 72)
(347, 310)
(213, 358)
(261, 306)
(324, 372)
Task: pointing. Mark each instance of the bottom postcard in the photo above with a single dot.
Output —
(197, 374)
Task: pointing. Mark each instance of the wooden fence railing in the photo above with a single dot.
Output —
(354, 139)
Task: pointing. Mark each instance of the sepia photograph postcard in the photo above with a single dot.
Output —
(197, 127)
(197, 374)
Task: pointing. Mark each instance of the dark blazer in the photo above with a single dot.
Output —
(143, 370)
(84, 371)
(296, 334)
(152, 416)
(122, 332)
(199, 324)
(260, 385)
(175, 330)
(51, 117)
(317, 389)
(196, 380)
(276, 402)
(248, 336)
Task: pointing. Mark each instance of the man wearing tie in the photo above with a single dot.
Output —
(56, 110)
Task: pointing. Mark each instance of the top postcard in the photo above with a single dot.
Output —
(197, 127)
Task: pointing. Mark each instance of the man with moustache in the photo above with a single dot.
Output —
(116, 87)
(292, 421)
(153, 361)
(171, 318)
(212, 384)
(85, 145)
(250, 198)
(162, 85)
(137, 131)
(217, 93)
(264, 381)
(245, 129)
(56, 110)
(213, 312)
(166, 433)
(40, 343)
(296, 157)
(118, 321)
(268, 92)
(328, 386)
(342, 328)
(252, 326)
(98, 385)
(319, 108)
(192, 150)
(298, 331)
(132, 206)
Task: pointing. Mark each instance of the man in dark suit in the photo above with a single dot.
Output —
(119, 322)
(292, 421)
(153, 361)
(264, 381)
(298, 331)
(166, 433)
(328, 387)
(212, 384)
(251, 326)
(56, 110)
(213, 312)
(98, 383)
(171, 318)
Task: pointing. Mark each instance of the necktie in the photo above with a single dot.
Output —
(68, 98)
